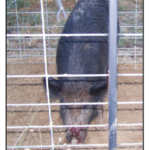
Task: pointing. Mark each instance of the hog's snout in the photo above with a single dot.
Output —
(75, 131)
(77, 135)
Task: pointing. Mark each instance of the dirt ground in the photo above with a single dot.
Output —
(30, 90)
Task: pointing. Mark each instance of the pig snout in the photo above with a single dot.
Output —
(77, 135)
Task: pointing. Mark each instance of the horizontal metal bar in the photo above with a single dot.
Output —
(22, 56)
(130, 48)
(56, 104)
(71, 75)
(130, 68)
(53, 49)
(77, 34)
(77, 145)
(8, 27)
(60, 146)
(59, 75)
(56, 126)
(130, 144)
(131, 75)
(55, 12)
(131, 37)
(131, 26)
(38, 12)
(53, 34)
(61, 104)
(33, 38)
(129, 12)
(28, 49)
(126, 62)
(130, 55)
(127, 125)
(23, 63)
(70, 126)
(130, 34)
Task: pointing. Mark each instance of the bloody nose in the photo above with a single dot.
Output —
(75, 131)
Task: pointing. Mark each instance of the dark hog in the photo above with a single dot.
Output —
(82, 55)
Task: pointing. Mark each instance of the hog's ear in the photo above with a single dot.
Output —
(98, 87)
(55, 86)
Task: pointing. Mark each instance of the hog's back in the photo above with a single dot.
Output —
(85, 54)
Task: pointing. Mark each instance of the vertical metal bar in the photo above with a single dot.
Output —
(113, 7)
(48, 45)
(18, 29)
(46, 72)
(135, 56)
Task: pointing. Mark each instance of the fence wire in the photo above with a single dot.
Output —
(130, 49)
(33, 31)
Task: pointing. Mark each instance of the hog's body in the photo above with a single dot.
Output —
(82, 55)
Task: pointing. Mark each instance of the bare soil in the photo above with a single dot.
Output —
(30, 90)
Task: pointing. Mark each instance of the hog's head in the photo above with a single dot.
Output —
(77, 91)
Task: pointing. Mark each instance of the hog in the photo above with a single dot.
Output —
(81, 55)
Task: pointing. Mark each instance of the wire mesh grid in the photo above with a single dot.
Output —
(28, 52)
(23, 20)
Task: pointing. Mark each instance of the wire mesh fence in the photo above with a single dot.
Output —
(35, 123)
(21, 19)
